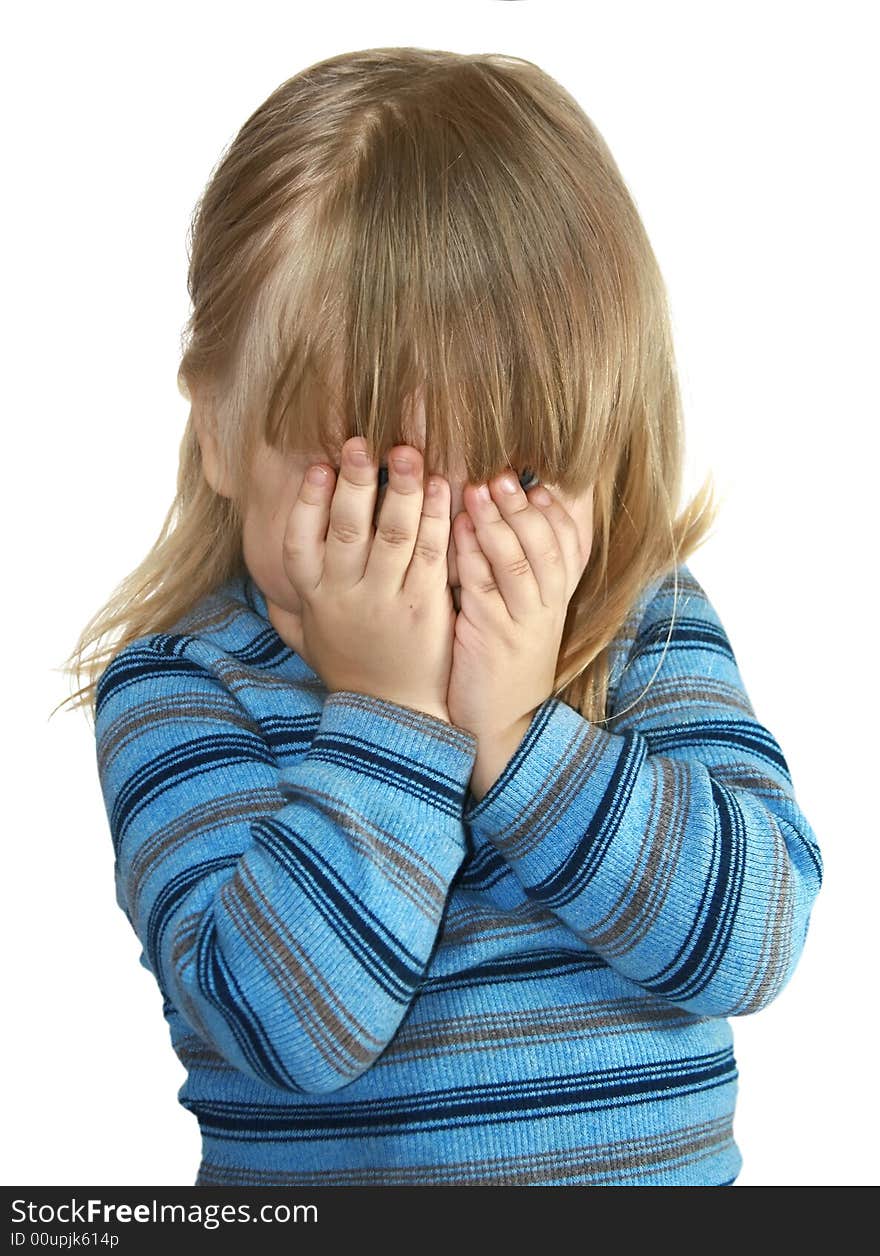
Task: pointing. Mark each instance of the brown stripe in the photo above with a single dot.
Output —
(220, 707)
(644, 895)
(488, 1031)
(194, 825)
(626, 1158)
(477, 923)
(401, 865)
(775, 954)
(183, 940)
(408, 718)
(236, 675)
(746, 776)
(193, 1053)
(182, 946)
(570, 774)
(214, 611)
(318, 1029)
(331, 1027)
(681, 689)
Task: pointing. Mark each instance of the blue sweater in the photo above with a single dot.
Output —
(370, 978)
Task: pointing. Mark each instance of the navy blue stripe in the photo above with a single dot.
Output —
(289, 735)
(536, 964)
(170, 644)
(137, 665)
(737, 734)
(265, 650)
(533, 734)
(394, 968)
(813, 851)
(687, 634)
(215, 982)
(218, 984)
(454, 1107)
(169, 898)
(576, 871)
(484, 870)
(714, 944)
(402, 775)
(183, 762)
(698, 959)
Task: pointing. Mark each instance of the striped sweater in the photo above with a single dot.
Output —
(371, 978)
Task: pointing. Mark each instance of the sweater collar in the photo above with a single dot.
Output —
(253, 596)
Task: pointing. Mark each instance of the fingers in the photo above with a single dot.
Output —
(412, 525)
(530, 549)
(474, 572)
(330, 527)
(350, 519)
(559, 511)
(331, 538)
(429, 562)
(306, 530)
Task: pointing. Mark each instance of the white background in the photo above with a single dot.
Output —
(746, 133)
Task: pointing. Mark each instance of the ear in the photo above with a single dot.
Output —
(213, 462)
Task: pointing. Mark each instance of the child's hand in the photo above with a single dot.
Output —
(377, 614)
(518, 571)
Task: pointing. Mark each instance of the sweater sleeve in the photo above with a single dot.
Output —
(670, 842)
(289, 914)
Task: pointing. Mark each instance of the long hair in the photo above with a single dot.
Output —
(403, 219)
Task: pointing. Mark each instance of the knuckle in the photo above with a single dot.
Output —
(291, 546)
(392, 535)
(428, 553)
(519, 566)
(343, 531)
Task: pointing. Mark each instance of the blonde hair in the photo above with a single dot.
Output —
(398, 219)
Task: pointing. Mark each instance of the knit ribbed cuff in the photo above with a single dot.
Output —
(403, 757)
(557, 738)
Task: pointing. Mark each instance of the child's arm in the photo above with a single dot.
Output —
(288, 916)
(673, 845)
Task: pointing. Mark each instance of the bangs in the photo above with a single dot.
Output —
(313, 422)
(458, 352)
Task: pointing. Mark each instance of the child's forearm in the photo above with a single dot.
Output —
(494, 752)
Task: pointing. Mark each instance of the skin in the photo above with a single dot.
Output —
(512, 574)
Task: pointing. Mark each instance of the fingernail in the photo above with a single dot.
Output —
(359, 457)
(509, 484)
(540, 496)
(317, 475)
(483, 493)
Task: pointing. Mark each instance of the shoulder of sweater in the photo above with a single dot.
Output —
(667, 596)
(226, 635)
(661, 600)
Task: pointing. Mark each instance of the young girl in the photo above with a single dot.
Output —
(437, 802)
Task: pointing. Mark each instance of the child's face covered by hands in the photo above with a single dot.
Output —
(275, 483)
(274, 486)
